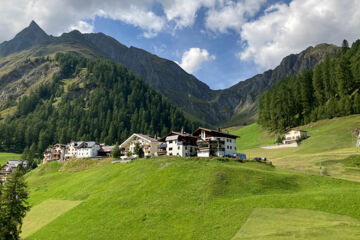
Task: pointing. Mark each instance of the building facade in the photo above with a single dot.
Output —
(149, 145)
(9, 168)
(56, 153)
(214, 143)
(87, 150)
(180, 144)
(294, 135)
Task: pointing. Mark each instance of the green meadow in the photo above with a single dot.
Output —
(182, 198)
(329, 144)
(194, 198)
(4, 157)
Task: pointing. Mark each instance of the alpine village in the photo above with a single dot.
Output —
(99, 140)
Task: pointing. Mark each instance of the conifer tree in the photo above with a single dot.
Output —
(116, 153)
(14, 205)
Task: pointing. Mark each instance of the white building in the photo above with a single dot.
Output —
(87, 150)
(294, 135)
(214, 143)
(180, 144)
(81, 150)
(148, 144)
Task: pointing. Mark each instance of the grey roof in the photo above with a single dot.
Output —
(147, 137)
(173, 137)
(15, 163)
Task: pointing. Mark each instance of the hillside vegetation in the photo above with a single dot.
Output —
(228, 107)
(332, 89)
(88, 99)
(330, 142)
(178, 198)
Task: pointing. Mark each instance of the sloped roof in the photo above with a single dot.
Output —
(162, 139)
(295, 129)
(216, 133)
(144, 137)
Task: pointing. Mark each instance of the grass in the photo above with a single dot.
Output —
(328, 140)
(44, 213)
(251, 136)
(177, 198)
(4, 157)
(279, 224)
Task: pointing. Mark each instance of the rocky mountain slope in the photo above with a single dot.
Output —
(235, 105)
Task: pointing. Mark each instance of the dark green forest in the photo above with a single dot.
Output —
(330, 90)
(107, 106)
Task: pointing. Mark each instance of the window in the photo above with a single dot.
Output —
(170, 142)
(178, 147)
(170, 149)
(230, 147)
(186, 148)
(227, 147)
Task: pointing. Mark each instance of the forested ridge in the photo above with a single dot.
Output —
(330, 90)
(106, 105)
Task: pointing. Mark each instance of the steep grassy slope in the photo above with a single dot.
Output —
(328, 140)
(175, 198)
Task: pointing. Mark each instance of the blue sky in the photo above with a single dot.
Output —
(221, 42)
(222, 72)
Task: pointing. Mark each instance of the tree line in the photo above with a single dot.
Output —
(88, 99)
(330, 90)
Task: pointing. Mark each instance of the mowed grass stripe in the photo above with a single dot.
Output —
(281, 224)
(44, 213)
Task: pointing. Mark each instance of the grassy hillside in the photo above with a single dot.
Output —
(175, 198)
(4, 157)
(328, 140)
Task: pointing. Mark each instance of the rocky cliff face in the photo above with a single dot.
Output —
(235, 105)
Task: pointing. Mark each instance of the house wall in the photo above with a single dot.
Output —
(229, 145)
(88, 152)
(294, 135)
(149, 148)
(173, 149)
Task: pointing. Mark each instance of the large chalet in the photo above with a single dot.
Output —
(214, 143)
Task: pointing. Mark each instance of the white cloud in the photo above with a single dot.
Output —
(286, 29)
(193, 58)
(83, 27)
(232, 15)
(183, 12)
(57, 16)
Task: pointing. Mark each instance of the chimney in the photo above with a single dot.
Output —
(182, 130)
(218, 129)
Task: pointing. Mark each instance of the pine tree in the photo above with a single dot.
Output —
(14, 206)
(345, 46)
(116, 153)
(318, 83)
(344, 76)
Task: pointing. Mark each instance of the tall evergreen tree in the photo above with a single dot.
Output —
(14, 206)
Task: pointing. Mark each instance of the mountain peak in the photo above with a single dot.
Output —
(34, 25)
(28, 37)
